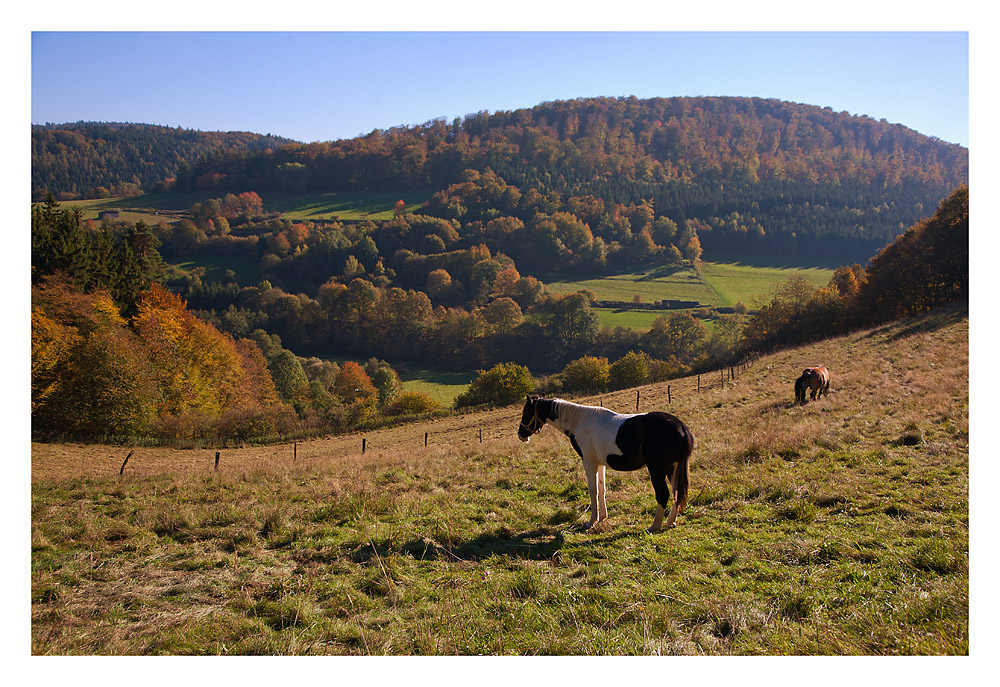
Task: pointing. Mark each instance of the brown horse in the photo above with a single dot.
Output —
(816, 380)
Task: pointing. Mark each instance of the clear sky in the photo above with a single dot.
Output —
(318, 86)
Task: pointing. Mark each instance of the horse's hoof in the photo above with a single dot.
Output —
(651, 530)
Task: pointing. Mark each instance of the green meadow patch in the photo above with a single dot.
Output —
(342, 205)
(712, 284)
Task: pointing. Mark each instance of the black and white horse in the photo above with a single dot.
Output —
(604, 438)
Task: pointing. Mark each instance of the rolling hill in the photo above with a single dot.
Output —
(837, 527)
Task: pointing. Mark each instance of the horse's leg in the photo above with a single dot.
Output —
(602, 505)
(590, 468)
(658, 476)
(673, 483)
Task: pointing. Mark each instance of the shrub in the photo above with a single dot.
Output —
(632, 369)
(586, 374)
(412, 403)
(502, 384)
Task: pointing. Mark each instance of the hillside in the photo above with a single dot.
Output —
(747, 174)
(838, 527)
(764, 175)
(95, 159)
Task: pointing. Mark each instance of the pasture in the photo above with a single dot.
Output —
(836, 527)
(153, 208)
(711, 284)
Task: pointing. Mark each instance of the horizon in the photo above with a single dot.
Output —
(312, 86)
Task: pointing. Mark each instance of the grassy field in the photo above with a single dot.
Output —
(153, 208)
(837, 527)
(734, 282)
(713, 284)
(652, 284)
(345, 206)
(442, 385)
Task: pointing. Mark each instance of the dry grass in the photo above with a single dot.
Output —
(837, 527)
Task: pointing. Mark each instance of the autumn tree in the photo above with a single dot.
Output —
(502, 384)
(588, 373)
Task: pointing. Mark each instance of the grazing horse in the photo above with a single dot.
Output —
(816, 380)
(604, 438)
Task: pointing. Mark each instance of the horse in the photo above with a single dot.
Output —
(816, 380)
(603, 438)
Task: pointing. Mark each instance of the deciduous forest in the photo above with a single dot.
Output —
(578, 188)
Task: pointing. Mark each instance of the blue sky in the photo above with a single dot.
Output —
(312, 86)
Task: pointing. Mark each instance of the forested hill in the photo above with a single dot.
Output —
(748, 173)
(95, 159)
(742, 174)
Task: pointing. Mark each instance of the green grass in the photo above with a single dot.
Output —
(815, 529)
(444, 386)
(712, 284)
(345, 206)
(153, 208)
(751, 285)
(652, 283)
(215, 267)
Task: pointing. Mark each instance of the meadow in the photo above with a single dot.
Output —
(711, 284)
(837, 527)
(152, 208)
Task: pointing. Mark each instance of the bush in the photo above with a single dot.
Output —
(412, 403)
(586, 374)
(502, 384)
(632, 369)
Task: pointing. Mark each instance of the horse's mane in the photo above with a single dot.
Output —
(576, 412)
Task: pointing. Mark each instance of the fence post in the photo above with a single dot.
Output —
(637, 400)
(295, 451)
(668, 394)
(364, 444)
(480, 435)
(699, 382)
(425, 438)
(122, 471)
(216, 461)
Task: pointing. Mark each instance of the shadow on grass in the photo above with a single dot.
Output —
(540, 544)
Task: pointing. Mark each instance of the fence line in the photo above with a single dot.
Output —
(715, 379)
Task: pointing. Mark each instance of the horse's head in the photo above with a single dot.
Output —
(800, 389)
(531, 419)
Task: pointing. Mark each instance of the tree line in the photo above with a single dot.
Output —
(103, 159)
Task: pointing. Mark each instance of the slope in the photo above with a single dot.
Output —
(837, 527)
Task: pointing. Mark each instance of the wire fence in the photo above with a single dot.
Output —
(494, 425)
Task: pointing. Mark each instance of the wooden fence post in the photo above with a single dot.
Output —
(426, 434)
(295, 451)
(668, 394)
(216, 461)
(364, 444)
(122, 471)
(699, 382)
(480, 435)
(637, 400)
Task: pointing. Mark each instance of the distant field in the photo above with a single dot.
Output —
(441, 385)
(639, 320)
(715, 284)
(652, 284)
(748, 284)
(153, 208)
(346, 206)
